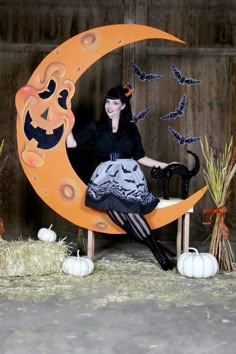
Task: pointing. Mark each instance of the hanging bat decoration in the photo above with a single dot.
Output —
(178, 112)
(182, 139)
(182, 80)
(142, 76)
(141, 116)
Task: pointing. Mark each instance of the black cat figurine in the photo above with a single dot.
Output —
(166, 173)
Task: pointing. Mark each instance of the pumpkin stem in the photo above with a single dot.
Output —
(194, 249)
(50, 227)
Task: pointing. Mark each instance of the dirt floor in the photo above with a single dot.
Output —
(127, 305)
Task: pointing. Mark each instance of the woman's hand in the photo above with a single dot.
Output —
(147, 161)
(70, 141)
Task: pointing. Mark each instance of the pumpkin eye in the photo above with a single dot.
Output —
(50, 90)
(62, 98)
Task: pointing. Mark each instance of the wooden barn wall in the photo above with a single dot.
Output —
(29, 30)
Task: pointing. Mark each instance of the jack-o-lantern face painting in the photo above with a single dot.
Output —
(45, 113)
(44, 119)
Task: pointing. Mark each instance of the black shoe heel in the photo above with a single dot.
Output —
(159, 254)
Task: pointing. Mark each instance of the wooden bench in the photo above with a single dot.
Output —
(183, 225)
(182, 236)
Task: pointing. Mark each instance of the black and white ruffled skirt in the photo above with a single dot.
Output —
(120, 185)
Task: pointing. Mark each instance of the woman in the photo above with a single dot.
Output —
(118, 185)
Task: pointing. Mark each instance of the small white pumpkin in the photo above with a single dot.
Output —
(79, 266)
(47, 235)
(197, 265)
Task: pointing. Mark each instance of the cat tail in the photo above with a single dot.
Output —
(196, 167)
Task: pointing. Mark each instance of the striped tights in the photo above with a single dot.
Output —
(137, 228)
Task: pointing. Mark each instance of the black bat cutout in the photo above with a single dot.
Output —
(140, 185)
(182, 80)
(142, 76)
(141, 116)
(178, 112)
(125, 169)
(182, 139)
(108, 168)
(130, 180)
(114, 174)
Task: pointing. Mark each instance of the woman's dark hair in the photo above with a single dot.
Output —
(119, 92)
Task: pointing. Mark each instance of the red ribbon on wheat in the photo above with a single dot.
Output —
(222, 210)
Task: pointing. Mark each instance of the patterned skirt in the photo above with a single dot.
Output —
(120, 185)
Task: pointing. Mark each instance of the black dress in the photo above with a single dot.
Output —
(118, 182)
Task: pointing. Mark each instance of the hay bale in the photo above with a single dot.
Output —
(23, 258)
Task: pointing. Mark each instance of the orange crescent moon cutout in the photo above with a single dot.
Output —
(44, 119)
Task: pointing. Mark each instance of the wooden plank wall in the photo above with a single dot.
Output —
(29, 31)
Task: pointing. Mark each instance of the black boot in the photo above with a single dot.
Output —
(158, 252)
(153, 244)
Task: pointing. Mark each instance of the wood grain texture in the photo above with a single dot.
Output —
(28, 33)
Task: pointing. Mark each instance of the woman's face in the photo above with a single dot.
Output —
(113, 107)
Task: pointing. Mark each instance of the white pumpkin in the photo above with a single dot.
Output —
(197, 265)
(79, 266)
(47, 235)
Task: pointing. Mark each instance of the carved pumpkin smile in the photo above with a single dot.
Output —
(44, 140)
